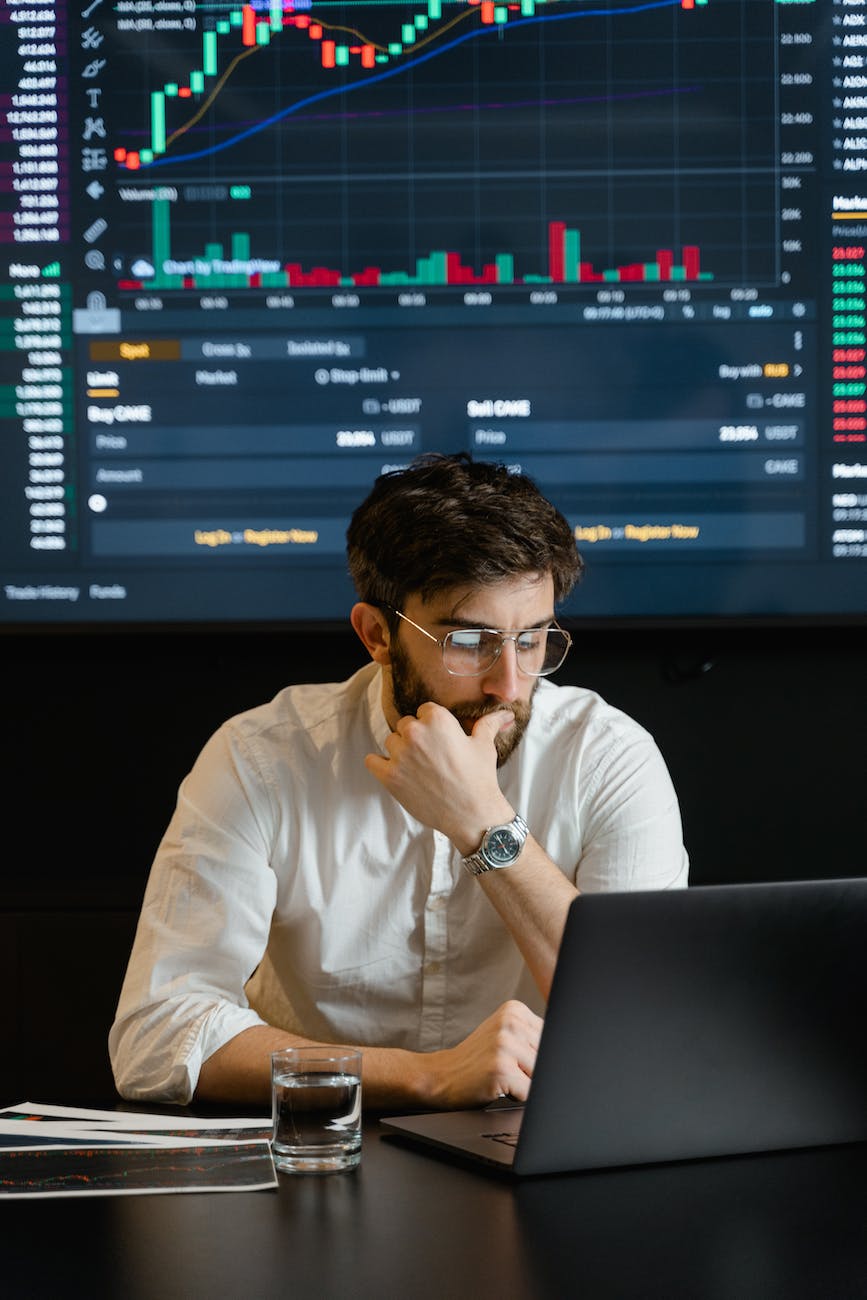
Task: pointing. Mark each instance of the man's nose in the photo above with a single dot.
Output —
(503, 678)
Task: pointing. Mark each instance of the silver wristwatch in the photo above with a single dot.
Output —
(500, 847)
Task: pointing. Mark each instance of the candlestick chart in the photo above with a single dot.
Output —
(367, 146)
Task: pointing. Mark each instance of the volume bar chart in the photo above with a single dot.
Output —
(442, 267)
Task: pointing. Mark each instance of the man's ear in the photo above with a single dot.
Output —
(372, 630)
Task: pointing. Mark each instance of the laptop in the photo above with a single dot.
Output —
(710, 1021)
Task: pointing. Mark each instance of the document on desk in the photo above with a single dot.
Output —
(71, 1151)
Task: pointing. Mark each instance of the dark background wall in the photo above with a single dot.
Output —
(763, 729)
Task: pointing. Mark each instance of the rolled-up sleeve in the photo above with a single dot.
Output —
(634, 836)
(202, 932)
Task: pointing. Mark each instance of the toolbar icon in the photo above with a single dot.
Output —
(95, 229)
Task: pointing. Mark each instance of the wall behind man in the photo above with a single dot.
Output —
(763, 730)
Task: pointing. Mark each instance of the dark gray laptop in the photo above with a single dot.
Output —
(709, 1021)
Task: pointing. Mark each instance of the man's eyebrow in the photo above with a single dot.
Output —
(473, 624)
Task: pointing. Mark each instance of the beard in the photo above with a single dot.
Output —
(410, 691)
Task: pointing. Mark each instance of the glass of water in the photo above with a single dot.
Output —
(316, 1109)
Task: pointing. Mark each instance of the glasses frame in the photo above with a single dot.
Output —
(494, 631)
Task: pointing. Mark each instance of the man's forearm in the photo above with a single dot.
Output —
(239, 1072)
(496, 1057)
(533, 898)
(448, 780)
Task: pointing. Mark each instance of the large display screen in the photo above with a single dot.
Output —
(256, 253)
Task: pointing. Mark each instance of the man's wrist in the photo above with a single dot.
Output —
(469, 837)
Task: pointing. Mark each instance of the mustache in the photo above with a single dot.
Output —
(472, 712)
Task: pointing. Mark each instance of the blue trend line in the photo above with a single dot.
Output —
(401, 69)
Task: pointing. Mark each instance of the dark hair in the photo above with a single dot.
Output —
(450, 521)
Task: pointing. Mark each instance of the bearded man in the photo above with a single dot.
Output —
(388, 861)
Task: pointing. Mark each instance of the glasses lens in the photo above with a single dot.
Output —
(472, 651)
(541, 650)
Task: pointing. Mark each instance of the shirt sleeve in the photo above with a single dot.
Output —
(203, 929)
(632, 830)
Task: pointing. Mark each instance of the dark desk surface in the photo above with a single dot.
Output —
(413, 1224)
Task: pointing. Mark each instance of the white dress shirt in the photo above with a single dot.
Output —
(290, 889)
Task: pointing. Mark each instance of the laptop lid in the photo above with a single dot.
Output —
(715, 1020)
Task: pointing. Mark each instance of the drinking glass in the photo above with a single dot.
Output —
(316, 1109)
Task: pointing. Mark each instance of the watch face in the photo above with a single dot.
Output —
(502, 845)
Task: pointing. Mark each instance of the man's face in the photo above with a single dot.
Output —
(417, 673)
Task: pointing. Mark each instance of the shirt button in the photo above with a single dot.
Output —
(437, 902)
(433, 967)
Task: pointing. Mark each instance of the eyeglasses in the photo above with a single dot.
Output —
(471, 651)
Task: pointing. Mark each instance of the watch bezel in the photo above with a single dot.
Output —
(495, 837)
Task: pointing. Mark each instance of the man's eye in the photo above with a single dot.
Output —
(530, 640)
(466, 640)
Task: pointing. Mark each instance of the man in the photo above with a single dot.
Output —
(331, 873)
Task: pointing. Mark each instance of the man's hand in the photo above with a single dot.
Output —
(496, 1058)
(443, 777)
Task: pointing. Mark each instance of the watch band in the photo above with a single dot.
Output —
(486, 859)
